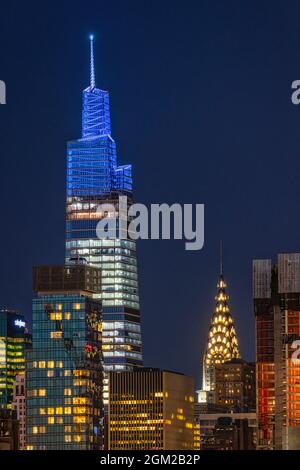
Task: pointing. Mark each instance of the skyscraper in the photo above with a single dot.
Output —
(151, 409)
(222, 343)
(235, 385)
(64, 407)
(12, 353)
(94, 179)
(276, 292)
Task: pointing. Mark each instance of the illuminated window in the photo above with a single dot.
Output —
(42, 364)
(67, 316)
(68, 438)
(56, 316)
(79, 410)
(79, 419)
(56, 334)
(158, 394)
(50, 373)
(68, 410)
(59, 364)
(42, 392)
(35, 430)
(50, 420)
(67, 391)
(42, 429)
(42, 411)
(50, 411)
(80, 401)
(50, 364)
(59, 306)
(67, 373)
(29, 447)
(77, 306)
(77, 438)
(68, 428)
(59, 410)
(59, 420)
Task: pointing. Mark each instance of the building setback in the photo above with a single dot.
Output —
(95, 182)
(150, 409)
(276, 293)
(64, 368)
(222, 343)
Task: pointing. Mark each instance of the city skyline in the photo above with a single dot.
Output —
(248, 223)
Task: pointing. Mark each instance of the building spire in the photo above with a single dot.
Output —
(221, 258)
(92, 63)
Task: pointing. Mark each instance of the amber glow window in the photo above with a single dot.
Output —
(67, 391)
(42, 364)
(80, 401)
(68, 410)
(50, 411)
(35, 430)
(67, 316)
(79, 410)
(56, 316)
(42, 392)
(79, 419)
(77, 306)
(50, 364)
(42, 411)
(59, 410)
(50, 373)
(68, 428)
(56, 334)
(50, 420)
(68, 438)
(59, 364)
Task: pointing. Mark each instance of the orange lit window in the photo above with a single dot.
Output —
(56, 334)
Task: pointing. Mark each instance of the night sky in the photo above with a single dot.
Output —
(200, 105)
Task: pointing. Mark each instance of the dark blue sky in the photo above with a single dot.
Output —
(200, 104)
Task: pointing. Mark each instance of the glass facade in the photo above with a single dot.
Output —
(94, 179)
(64, 374)
(12, 353)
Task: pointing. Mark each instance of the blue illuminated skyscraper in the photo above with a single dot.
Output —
(94, 178)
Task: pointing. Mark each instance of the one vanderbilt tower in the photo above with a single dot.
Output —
(93, 179)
